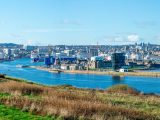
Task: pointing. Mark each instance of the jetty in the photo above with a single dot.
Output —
(52, 70)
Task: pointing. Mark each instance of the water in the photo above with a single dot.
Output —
(144, 84)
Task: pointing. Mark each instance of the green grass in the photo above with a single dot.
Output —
(10, 113)
(4, 95)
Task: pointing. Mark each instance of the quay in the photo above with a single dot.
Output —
(112, 73)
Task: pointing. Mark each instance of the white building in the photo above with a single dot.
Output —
(147, 57)
(136, 56)
(7, 51)
(127, 56)
(61, 55)
(1, 55)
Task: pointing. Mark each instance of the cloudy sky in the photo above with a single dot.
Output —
(73, 22)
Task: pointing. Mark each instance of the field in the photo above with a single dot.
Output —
(22, 100)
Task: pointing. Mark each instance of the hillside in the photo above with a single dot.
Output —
(66, 102)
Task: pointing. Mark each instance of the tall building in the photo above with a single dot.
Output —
(93, 52)
(118, 60)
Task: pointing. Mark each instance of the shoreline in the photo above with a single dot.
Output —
(71, 86)
(112, 73)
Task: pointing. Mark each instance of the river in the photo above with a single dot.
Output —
(143, 84)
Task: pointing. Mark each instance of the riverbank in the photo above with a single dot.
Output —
(136, 73)
(149, 74)
(119, 102)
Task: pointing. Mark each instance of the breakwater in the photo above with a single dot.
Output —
(136, 73)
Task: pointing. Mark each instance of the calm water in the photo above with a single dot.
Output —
(144, 84)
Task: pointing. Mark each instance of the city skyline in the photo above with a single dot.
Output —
(79, 22)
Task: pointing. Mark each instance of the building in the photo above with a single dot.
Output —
(69, 53)
(1, 55)
(7, 51)
(97, 58)
(48, 61)
(93, 52)
(30, 48)
(118, 60)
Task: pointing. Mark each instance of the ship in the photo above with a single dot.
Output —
(35, 56)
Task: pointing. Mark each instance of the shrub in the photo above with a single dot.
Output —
(122, 88)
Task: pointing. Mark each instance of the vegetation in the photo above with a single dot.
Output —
(136, 73)
(66, 102)
(121, 88)
(11, 113)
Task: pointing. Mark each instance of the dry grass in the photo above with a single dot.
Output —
(122, 88)
(141, 73)
(14, 87)
(72, 103)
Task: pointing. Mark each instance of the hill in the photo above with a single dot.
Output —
(67, 102)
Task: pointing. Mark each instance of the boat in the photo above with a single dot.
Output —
(22, 66)
(55, 71)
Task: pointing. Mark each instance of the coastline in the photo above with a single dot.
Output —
(137, 73)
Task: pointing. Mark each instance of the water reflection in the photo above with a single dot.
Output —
(117, 80)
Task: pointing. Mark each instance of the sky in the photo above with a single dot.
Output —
(79, 22)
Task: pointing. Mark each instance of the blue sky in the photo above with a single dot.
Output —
(73, 22)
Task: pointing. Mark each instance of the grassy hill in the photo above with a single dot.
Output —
(32, 101)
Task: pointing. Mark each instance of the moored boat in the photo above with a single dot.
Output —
(22, 66)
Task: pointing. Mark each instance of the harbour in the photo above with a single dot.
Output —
(93, 81)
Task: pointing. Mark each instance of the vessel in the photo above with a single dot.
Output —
(22, 66)
(34, 56)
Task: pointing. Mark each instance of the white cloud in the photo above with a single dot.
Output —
(119, 39)
(122, 39)
(133, 38)
(114, 38)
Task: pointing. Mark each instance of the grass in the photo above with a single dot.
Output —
(119, 102)
(146, 74)
(11, 113)
(122, 88)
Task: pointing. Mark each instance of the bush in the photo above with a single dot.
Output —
(2, 75)
(122, 88)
